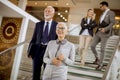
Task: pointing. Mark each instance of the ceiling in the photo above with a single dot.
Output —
(42, 0)
(55, 3)
(61, 14)
(36, 7)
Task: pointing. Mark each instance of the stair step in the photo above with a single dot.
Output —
(24, 75)
(77, 77)
(105, 62)
(89, 74)
(87, 67)
(27, 69)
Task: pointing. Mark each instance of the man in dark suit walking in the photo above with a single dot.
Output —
(43, 33)
(104, 31)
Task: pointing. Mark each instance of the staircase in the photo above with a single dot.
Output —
(88, 72)
(75, 72)
(25, 71)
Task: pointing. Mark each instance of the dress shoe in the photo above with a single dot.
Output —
(96, 61)
(82, 64)
(99, 67)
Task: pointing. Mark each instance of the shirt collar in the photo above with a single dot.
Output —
(106, 10)
(48, 21)
(61, 42)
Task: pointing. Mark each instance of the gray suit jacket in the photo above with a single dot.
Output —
(108, 23)
(53, 71)
(67, 49)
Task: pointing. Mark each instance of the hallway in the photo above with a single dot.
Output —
(17, 23)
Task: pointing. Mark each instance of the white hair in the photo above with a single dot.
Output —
(53, 10)
(64, 24)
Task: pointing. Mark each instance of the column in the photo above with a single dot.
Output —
(22, 4)
(1, 17)
(19, 50)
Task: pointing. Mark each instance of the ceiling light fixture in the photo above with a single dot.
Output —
(58, 13)
(35, 3)
(46, 3)
(67, 4)
(56, 3)
(61, 15)
(66, 11)
(65, 19)
(117, 18)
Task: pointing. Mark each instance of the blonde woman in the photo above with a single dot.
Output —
(86, 34)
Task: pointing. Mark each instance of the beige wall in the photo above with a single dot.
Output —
(113, 4)
(30, 30)
(79, 11)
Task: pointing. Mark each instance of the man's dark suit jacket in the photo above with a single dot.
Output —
(92, 24)
(37, 37)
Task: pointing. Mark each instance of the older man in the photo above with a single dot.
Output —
(59, 54)
(43, 33)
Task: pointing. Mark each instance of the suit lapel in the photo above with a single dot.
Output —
(42, 27)
(40, 30)
(51, 28)
(106, 14)
(90, 21)
(85, 20)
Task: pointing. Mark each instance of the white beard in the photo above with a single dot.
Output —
(47, 17)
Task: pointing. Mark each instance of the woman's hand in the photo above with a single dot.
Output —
(56, 62)
(61, 57)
